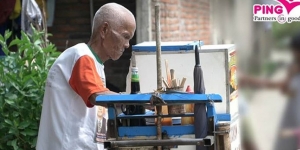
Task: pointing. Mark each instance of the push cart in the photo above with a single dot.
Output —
(221, 110)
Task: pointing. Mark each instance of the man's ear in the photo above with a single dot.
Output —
(104, 30)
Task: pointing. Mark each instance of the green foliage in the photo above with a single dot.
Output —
(22, 78)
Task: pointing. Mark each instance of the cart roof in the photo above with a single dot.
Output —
(166, 46)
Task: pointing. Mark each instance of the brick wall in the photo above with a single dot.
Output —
(183, 20)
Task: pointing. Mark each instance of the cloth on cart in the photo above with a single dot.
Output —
(31, 14)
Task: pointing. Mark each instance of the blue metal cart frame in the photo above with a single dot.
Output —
(120, 136)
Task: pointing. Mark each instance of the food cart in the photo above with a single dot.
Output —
(218, 64)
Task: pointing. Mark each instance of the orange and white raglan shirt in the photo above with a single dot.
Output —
(68, 119)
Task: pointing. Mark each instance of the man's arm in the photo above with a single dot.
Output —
(86, 82)
(250, 81)
(283, 85)
(92, 98)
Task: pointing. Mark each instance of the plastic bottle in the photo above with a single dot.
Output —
(136, 109)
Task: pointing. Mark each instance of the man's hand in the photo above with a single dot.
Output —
(92, 98)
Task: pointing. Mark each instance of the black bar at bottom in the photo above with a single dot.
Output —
(208, 141)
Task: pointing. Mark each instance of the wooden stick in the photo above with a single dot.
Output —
(44, 24)
(166, 84)
(172, 74)
(182, 82)
(174, 84)
(171, 84)
(168, 72)
(158, 63)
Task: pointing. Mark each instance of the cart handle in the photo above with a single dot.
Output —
(168, 98)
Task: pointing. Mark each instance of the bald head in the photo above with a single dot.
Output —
(112, 13)
(113, 27)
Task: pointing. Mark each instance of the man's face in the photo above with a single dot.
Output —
(117, 39)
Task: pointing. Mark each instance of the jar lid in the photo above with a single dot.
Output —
(134, 68)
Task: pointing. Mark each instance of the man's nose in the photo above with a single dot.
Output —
(127, 45)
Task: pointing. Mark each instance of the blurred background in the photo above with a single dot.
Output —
(265, 56)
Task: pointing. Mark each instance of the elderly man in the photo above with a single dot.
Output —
(69, 117)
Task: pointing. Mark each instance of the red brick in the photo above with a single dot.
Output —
(59, 35)
(59, 42)
(85, 1)
(73, 14)
(79, 21)
(66, 1)
(66, 28)
(171, 7)
(163, 21)
(174, 28)
(175, 2)
(163, 1)
(59, 21)
(163, 14)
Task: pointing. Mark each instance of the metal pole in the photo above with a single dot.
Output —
(209, 141)
(158, 64)
(158, 47)
(91, 13)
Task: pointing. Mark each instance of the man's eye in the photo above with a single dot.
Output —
(127, 37)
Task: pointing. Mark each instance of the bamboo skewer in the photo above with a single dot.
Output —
(168, 72)
(172, 74)
(174, 83)
(166, 83)
(171, 82)
(182, 82)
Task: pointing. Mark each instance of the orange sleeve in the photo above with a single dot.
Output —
(85, 80)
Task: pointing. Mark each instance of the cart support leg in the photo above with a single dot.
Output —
(208, 141)
(210, 130)
(222, 137)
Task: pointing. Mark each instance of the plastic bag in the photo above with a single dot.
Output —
(31, 14)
